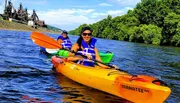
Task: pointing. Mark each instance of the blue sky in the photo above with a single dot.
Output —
(69, 14)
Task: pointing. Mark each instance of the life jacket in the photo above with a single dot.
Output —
(66, 42)
(88, 49)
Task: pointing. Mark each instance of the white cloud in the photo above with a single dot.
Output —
(1, 9)
(115, 12)
(63, 17)
(129, 8)
(1, 6)
(96, 15)
(119, 12)
(76, 17)
(105, 4)
(126, 2)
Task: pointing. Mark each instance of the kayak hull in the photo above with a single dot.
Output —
(105, 57)
(138, 89)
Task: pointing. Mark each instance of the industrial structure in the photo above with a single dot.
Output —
(21, 15)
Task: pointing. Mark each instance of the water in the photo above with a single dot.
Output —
(26, 76)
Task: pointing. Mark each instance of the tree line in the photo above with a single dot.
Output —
(151, 22)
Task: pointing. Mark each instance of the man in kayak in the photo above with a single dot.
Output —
(85, 45)
(64, 40)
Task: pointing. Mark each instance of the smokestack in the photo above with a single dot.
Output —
(5, 3)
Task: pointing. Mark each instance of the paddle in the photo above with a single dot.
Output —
(45, 41)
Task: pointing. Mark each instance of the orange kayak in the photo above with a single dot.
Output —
(138, 89)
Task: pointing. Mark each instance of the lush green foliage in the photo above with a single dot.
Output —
(151, 21)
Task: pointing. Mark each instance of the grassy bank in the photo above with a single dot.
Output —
(6, 25)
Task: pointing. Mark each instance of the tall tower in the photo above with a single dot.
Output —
(5, 3)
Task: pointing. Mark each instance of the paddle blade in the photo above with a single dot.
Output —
(45, 41)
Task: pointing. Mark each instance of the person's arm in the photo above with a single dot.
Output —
(99, 58)
(59, 41)
(71, 56)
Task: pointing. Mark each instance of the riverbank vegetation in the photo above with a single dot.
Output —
(151, 22)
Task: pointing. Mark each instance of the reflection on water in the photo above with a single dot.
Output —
(75, 92)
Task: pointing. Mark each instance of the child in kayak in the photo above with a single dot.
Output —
(64, 40)
(85, 45)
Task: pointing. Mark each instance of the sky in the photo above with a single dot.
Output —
(70, 14)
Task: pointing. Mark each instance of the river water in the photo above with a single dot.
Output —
(26, 76)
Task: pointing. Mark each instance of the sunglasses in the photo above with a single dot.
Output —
(64, 34)
(84, 34)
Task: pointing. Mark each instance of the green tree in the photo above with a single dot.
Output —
(151, 22)
(170, 25)
(176, 38)
(151, 34)
(108, 33)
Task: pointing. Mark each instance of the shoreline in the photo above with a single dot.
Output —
(52, 32)
(7, 25)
